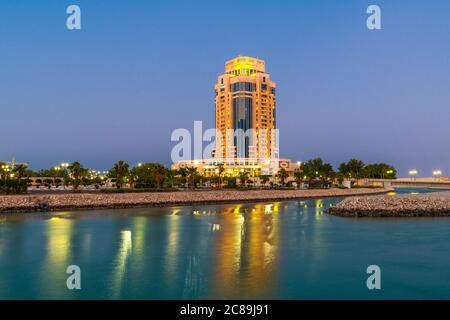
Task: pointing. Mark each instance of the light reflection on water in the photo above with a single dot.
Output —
(281, 250)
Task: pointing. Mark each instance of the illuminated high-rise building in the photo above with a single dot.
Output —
(245, 111)
(246, 129)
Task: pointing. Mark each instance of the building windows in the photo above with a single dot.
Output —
(263, 86)
(243, 86)
(242, 108)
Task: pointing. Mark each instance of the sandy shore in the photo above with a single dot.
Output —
(53, 202)
(420, 205)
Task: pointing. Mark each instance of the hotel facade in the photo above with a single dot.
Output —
(246, 128)
(245, 111)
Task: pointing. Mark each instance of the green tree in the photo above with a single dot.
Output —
(317, 169)
(120, 172)
(86, 181)
(182, 173)
(221, 170)
(3, 170)
(379, 171)
(327, 174)
(20, 171)
(98, 182)
(282, 174)
(298, 175)
(243, 177)
(353, 169)
(150, 175)
(78, 172)
(132, 177)
(171, 175)
(192, 174)
(265, 178)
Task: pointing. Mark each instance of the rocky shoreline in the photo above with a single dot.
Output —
(423, 205)
(73, 201)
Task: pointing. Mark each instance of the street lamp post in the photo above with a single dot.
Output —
(437, 174)
(413, 173)
(64, 167)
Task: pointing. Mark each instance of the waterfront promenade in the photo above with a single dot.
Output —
(69, 201)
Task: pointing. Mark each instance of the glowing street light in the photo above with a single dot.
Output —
(437, 174)
(389, 172)
(413, 173)
(64, 165)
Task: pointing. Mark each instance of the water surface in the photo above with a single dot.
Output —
(274, 250)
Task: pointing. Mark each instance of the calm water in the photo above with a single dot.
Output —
(280, 250)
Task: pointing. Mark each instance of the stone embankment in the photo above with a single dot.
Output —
(417, 205)
(68, 201)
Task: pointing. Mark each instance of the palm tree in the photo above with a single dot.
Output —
(192, 174)
(183, 173)
(170, 175)
(20, 171)
(264, 178)
(282, 174)
(120, 172)
(243, 176)
(78, 172)
(328, 174)
(298, 175)
(132, 177)
(220, 169)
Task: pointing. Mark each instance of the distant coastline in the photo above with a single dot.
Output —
(74, 201)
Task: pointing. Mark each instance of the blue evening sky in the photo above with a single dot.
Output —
(140, 69)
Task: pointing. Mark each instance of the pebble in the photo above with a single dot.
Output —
(424, 205)
(67, 201)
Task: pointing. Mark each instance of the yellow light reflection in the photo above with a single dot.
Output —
(172, 256)
(246, 244)
(125, 248)
(59, 234)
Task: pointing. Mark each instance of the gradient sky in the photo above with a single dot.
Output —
(140, 69)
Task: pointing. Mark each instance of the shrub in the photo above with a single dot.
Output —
(10, 186)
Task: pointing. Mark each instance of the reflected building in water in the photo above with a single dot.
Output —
(246, 252)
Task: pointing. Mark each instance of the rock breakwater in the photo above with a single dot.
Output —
(423, 205)
(68, 201)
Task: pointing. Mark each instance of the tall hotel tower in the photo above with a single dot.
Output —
(245, 111)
